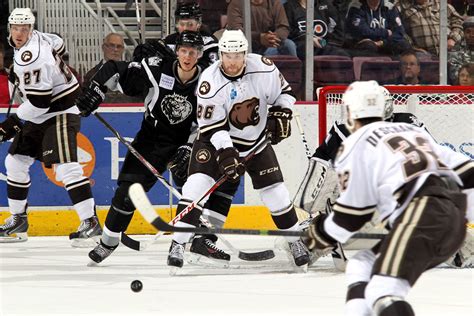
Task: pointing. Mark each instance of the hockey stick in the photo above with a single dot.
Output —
(338, 257)
(143, 205)
(140, 246)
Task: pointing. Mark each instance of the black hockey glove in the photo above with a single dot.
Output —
(179, 163)
(279, 123)
(10, 127)
(152, 48)
(229, 164)
(90, 98)
(12, 77)
(317, 238)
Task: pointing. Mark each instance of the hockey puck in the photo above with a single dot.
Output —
(136, 286)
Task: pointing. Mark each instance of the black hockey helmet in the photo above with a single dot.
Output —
(188, 11)
(190, 38)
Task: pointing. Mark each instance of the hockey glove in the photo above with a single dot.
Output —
(10, 127)
(317, 238)
(91, 97)
(279, 123)
(229, 164)
(179, 163)
(153, 48)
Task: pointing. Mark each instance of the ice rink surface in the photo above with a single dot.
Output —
(45, 276)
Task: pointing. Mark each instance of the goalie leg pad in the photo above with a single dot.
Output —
(319, 184)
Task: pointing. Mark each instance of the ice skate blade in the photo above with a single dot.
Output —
(194, 258)
(92, 264)
(85, 242)
(14, 238)
(173, 270)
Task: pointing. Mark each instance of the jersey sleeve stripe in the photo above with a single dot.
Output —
(65, 92)
(350, 222)
(358, 211)
(38, 91)
(39, 101)
(220, 125)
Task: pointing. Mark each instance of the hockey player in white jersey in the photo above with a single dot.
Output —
(239, 98)
(44, 128)
(400, 171)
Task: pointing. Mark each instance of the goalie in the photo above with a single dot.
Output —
(319, 185)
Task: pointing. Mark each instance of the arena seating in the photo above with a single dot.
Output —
(292, 69)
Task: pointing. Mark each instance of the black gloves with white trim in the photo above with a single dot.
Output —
(279, 123)
(317, 238)
(10, 127)
(179, 163)
(90, 98)
(229, 163)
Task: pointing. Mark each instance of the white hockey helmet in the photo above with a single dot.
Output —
(388, 103)
(21, 16)
(233, 41)
(363, 99)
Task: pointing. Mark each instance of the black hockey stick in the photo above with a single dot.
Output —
(338, 257)
(143, 205)
(140, 246)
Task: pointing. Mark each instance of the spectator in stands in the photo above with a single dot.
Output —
(375, 28)
(409, 69)
(113, 47)
(465, 53)
(466, 75)
(421, 21)
(188, 18)
(328, 34)
(4, 93)
(270, 27)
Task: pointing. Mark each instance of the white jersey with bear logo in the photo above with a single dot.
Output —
(43, 78)
(382, 165)
(238, 107)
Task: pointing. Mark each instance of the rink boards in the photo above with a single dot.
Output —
(101, 155)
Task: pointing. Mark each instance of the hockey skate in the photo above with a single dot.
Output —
(88, 234)
(175, 257)
(15, 229)
(99, 253)
(299, 252)
(204, 251)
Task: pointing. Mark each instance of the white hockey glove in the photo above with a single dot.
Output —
(319, 184)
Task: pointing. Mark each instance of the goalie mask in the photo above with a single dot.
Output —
(363, 99)
(20, 16)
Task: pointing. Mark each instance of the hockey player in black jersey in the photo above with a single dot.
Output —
(169, 119)
(188, 17)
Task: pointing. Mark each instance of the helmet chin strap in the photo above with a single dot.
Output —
(231, 76)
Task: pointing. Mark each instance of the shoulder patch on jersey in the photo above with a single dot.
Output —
(154, 61)
(26, 56)
(204, 88)
(245, 113)
(267, 61)
(203, 156)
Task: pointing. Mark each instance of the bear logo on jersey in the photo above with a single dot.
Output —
(176, 108)
(245, 113)
(203, 156)
(205, 87)
(26, 56)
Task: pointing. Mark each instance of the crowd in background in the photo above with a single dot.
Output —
(405, 31)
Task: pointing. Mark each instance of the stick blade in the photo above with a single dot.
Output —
(257, 256)
(141, 202)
